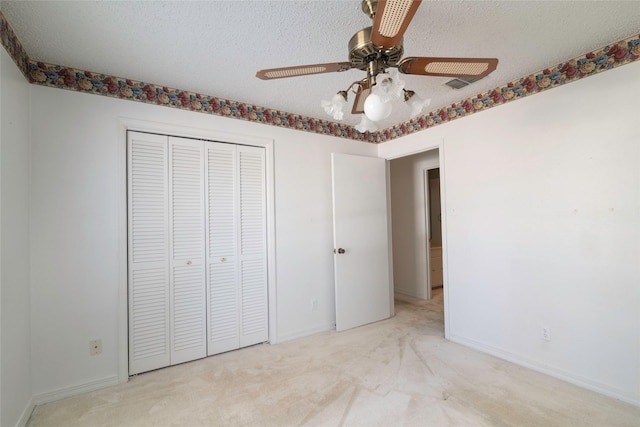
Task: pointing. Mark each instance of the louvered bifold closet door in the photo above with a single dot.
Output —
(253, 253)
(222, 261)
(148, 252)
(187, 250)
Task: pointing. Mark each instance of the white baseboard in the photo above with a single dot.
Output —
(402, 296)
(305, 333)
(552, 371)
(26, 414)
(62, 393)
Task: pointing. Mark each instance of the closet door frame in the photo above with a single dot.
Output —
(197, 132)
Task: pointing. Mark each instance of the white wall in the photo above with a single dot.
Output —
(75, 205)
(409, 223)
(15, 343)
(542, 229)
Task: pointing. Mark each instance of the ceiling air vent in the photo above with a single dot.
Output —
(459, 83)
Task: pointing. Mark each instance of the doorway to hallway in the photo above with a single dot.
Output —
(413, 235)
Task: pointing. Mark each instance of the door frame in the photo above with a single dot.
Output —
(399, 150)
(427, 226)
(131, 124)
(427, 219)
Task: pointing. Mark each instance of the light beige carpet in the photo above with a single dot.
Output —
(399, 372)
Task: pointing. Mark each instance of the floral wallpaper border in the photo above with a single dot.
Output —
(611, 56)
(13, 46)
(100, 84)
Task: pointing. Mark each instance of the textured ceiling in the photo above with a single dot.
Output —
(215, 47)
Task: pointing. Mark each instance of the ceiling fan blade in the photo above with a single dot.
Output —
(358, 104)
(302, 70)
(391, 21)
(448, 67)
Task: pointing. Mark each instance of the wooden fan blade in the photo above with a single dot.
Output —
(448, 67)
(391, 21)
(302, 70)
(358, 104)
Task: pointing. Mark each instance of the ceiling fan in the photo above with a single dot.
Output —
(378, 48)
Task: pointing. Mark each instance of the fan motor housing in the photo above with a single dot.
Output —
(362, 51)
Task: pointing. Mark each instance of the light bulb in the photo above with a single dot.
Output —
(375, 108)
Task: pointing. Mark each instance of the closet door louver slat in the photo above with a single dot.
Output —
(148, 250)
(187, 287)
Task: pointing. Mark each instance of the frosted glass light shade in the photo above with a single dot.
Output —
(418, 105)
(335, 107)
(389, 85)
(366, 125)
(375, 108)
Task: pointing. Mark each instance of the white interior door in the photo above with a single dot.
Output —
(361, 235)
(148, 252)
(253, 246)
(222, 260)
(237, 258)
(186, 239)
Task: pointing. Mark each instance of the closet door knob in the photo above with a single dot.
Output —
(189, 262)
(223, 259)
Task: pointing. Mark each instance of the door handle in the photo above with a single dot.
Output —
(340, 251)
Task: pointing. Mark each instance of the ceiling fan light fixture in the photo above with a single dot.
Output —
(417, 104)
(335, 108)
(389, 86)
(366, 125)
(378, 50)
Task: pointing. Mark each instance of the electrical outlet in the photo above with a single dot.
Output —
(545, 333)
(314, 304)
(95, 347)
